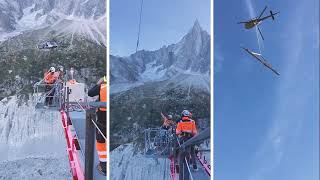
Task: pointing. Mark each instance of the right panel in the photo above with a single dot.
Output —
(160, 90)
(266, 89)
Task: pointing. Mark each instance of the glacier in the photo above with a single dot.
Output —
(31, 140)
(84, 18)
(126, 164)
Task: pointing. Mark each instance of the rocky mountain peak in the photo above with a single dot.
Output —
(189, 57)
(196, 26)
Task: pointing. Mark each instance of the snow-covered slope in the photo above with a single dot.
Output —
(84, 17)
(127, 164)
(35, 169)
(190, 57)
(33, 137)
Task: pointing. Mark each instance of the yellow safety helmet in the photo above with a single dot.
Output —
(104, 79)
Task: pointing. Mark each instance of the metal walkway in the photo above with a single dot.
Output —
(78, 121)
(201, 174)
(77, 116)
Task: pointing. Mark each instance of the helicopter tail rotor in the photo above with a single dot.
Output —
(272, 14)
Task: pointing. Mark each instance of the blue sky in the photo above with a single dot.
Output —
(163, 22)
(267, 127)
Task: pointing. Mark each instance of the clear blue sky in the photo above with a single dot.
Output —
(267, 127)
(163, 22)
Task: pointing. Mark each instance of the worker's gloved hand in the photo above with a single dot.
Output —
(100, 81)
(196, 149)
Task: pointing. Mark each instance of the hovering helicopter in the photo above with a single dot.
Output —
(260, 58)
(48, 45)
(256, 21)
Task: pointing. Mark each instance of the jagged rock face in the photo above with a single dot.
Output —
(169, 80)
(15, 14)
(191, 55)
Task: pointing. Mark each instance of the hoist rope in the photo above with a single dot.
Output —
(141, 5)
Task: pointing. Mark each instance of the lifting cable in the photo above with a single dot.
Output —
(141, 5)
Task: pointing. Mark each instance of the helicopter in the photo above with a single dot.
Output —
(260, 58)
(256, 21)
(48, 45)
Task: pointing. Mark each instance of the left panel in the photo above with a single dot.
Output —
(53, 89)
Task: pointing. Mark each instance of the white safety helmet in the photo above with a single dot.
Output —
(52, 69)
(186, 113)
(169, 116)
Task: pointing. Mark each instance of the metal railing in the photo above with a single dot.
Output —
(158, 142)
(43, 91)
(185, 153)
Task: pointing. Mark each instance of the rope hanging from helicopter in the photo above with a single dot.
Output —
(139, 28)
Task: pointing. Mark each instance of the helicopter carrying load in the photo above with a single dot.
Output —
(256, 21)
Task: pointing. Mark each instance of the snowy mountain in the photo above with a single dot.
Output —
(183, 62)
(81, 17)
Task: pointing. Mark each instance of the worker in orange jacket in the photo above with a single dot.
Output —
(186, 129)
(49, 79)
(100, 89)
(167, 122)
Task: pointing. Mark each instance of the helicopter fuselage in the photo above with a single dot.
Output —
(252, 23)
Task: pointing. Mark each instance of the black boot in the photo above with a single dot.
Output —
(102, 168)
(195, 167)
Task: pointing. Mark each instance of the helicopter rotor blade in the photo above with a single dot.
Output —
(262, 12)
(260, 33)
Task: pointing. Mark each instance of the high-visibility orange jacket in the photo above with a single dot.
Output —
(103, 95)
(49, 78)
(186, 125)
(102, 151)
